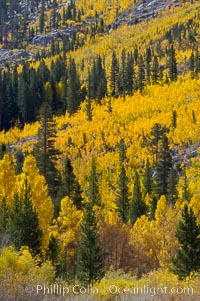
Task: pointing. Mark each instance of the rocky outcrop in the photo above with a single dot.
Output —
(143, 10)
(16, 56)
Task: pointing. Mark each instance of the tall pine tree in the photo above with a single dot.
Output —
(90, 259)
(23, 223)
(69, 185)
(187, 257)
(137, 206)
(45, 152)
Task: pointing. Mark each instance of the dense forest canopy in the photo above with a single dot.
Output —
(99, 144)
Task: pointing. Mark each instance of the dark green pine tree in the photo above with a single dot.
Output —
(156, 135)
(73, 88)
(141, 73)
(187, 257)
(122, 198)
(90, 95)
(42, 17)
(122, 151)
(123, 75)
(9, 112)
(23, 223)
(24, 96)
(192, 65)
(101, 78)
(19, 161)
(174, 119)
(147, 179)
(97, 83)
(53, 250)
(152, 208)
(147, 64)
(90, 260)
(155, 70)
(114, 76)
(45, 152)
(92, 88)
(172, 64)
(172, 193)
(197, 62)
(69, 185)
(186, 195)
(3, 150)
(162, 168)
(89, 108)
(194, 119)
(93, 189)
(43, 73)
(130, 74)
(54, 17)
(4, 213)
(137, 205)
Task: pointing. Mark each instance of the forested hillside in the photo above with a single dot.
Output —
(99, 149)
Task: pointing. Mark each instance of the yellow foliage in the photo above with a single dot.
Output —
(7, 179)
(20, 273)
(66, 226)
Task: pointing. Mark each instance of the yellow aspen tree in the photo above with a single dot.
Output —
(145, 239)
(7, 179)
(166, 219)
(66, 226)
(195, 205)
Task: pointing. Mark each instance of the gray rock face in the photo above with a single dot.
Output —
(143, 10)
(16, 56)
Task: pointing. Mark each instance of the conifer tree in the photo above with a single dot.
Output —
(54, 17)
(45, 152)
(42, 17)
(23, 223)
(172, 64)
(152, 208)
(156, 135)
(172, 193)
(122, 198)
(147, 180)
(90, 259)
(130, 74)
(141, 73)
(123, 75)
(19, 161)
(69, 185)
(147, 64)
(174, 119)
(93, 189)
(89, 108)
(162, 168)
(137, 205)
(122, 151)
(101, 79)
(114, 75)
(53, 250)
(187, 257)
(2, 150)
(155, 70)
(186, 195)
(192, 65)
(4, 213)
(73, 88)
